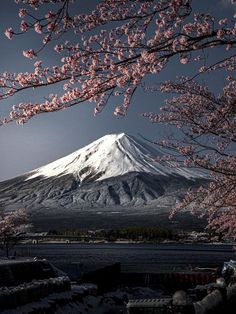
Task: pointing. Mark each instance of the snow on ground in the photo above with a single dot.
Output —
(112, 302)
(110, 156)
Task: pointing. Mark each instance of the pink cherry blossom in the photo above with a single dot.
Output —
(38, 28)
(24, 26)
(12, 222)
(9, 33)
(29, 53)
(184, 60)
(22, 13)
(223, 21)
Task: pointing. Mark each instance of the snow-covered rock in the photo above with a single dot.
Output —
(111, 156)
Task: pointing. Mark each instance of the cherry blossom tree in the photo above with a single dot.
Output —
(114, 48)
(208, 126)
(11, 225)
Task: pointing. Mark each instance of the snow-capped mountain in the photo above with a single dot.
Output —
(111, 156)
(117, 173)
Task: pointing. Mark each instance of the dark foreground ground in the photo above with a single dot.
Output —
(134, 258)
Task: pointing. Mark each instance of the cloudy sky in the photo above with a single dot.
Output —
(50, 136)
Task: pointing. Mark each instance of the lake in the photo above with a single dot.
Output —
(133, 257)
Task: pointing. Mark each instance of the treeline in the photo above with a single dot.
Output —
(125, 233)
(136, 234)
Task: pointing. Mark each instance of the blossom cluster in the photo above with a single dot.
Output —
(12, 222)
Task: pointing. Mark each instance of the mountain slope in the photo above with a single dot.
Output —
(131, 189)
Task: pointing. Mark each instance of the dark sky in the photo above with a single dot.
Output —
(50, 136)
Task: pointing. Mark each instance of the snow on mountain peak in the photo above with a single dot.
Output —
(110, 156)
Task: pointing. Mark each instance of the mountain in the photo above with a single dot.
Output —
(116, 173)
